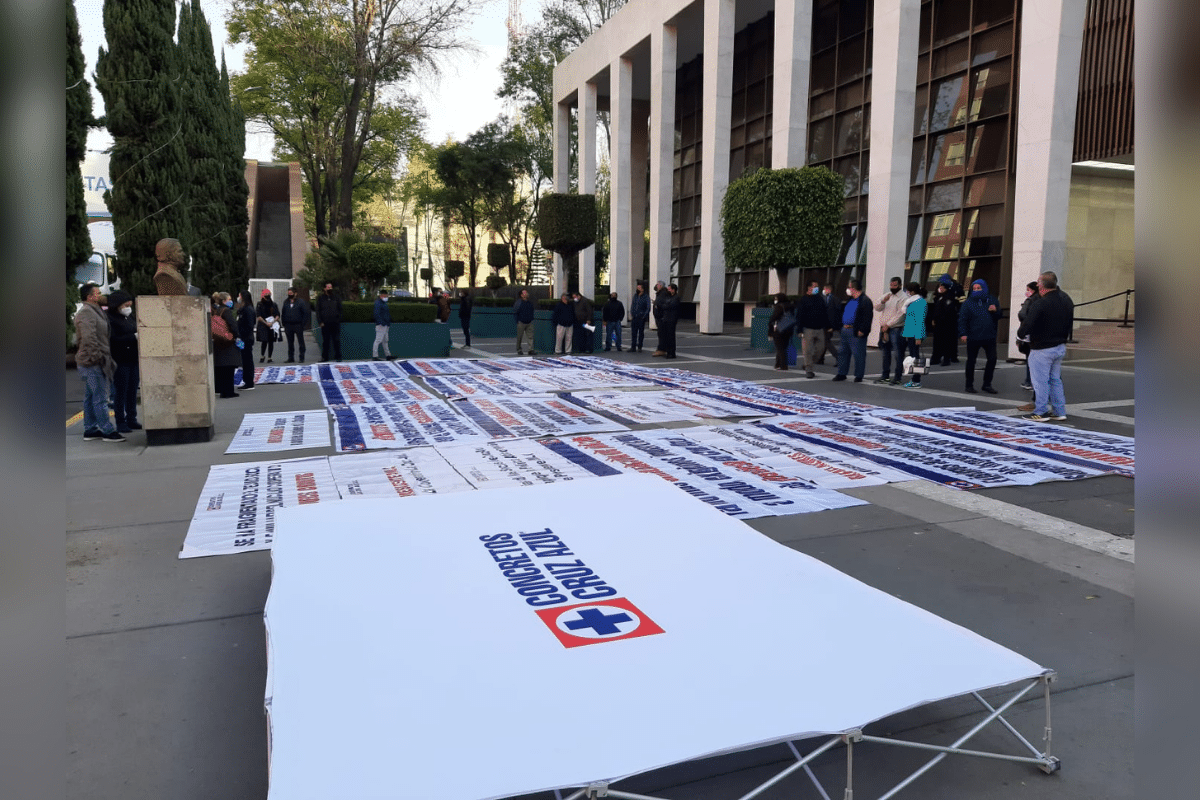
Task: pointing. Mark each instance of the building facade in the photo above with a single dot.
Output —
(952, 123)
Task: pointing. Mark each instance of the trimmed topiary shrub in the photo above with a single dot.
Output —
(567, 222)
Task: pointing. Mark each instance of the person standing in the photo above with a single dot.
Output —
(1048, 323)
(584, 312)
(94, 362)
(266, 315)
(857, 317)
(226, 355)
(564, 325)
(834, 310)
(782, 330)
(612, 314)
(813, 319)
(660, 298)
(296, 318)
(916, 307)
(443, 304)
(977, 318)
(383, 322)
(523, 316)
(891, 332)
(465, 306)
(670, 319)
(329, 319)
(639, 315)
(123, 344)
(247, 320)
(1031, 294)
(943, 314)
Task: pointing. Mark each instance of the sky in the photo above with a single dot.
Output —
(457, 104)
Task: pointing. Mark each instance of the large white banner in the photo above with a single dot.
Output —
(442, 366)
(516, 383)
(1102, 451)
(668, 405)
(519, 462)
(523, 417)
(286, 430)
(672, 633)
(679, 378)
(399, 425)
(931, 456)
(236, 510)
(773, 400)
(299, 373)
(369, 370)
(396, 473)
(738, 488)
(356, 391)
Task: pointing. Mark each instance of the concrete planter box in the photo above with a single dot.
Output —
(543, 333)
(493, 323)
(759, 338)
(405, 339)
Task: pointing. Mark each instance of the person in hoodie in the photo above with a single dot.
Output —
(915, 313)
(943, 321)
(246, 322)
(612, 314)
(124, 346)
(977, 318)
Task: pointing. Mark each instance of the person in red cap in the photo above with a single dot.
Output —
(266, 315)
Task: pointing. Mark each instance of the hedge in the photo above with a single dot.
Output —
(567, 222)
(497, 254)
(371, 261)
(401, 311)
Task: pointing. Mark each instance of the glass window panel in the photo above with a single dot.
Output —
(991, 12)
(988, 146)
(867, 89)
(942, 238)
(947, 156)
(922, 68)
(987, 269)
(737, 108)
(866, 128)
(755, 130)
(985, 232)
(989, 93)
(754, 160)
(986, 189)
(870, 53)
(866, 177)
(949, 100)
(767, 145)
(675, 215)
(849, 251)
(820, 106)
(739, 66)
(918, 161)
(994, 44)
(916, 200)
(926, 27)
(760, 62)
(864, 235)
(676, 183)
(921, 113)
(951, 58)
(916, 226)
(756, 104)
(685, 237)
(687, 128)
(851, 212)
(825, 25)
(737, 163)
(850, 96)
(737, 136)
(849, 132)
(848, 169)
(851, 59)
(820, 141)
(689, 154)
(689, 181)
(685, 212)
(951, 20)
(678, 159)
(944, 196)
(823, 71)
(854, 18)
(675, 237)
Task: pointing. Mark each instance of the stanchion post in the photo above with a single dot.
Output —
(1125, 321)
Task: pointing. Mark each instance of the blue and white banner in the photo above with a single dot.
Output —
(668, 405)
(369, 370)
(1102, 451)
(356, 391)
(519, 462)
(442, 366)
(526, 417)
(773, 400)
(400, 425)
(516, 383)
(286, 430)
(932, 456)
(396, 473)
(738, 488)
(675, 378)
(236, 510)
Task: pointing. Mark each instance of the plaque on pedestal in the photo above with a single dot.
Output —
(175, 360)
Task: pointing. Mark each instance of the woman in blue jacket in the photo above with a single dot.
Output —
(977, 320)
(915, 310)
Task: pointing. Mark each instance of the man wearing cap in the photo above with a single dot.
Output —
(383, 322)
(296, 318)
(95, 364)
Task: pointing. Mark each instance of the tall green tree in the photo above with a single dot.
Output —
(79, 119)
(139, 78)
(236, 190)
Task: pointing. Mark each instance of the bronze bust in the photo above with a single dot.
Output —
(169, 280)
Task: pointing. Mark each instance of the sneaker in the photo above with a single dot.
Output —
(261, 360)
(115, 436)
(124, 429)
(247, 388)
(1027, 386)
(270, 361)
(134, 426)
(1059, 417)
(240, 386)
(912, 385)
(884, 379)
(1027, 407)
(970, 390)
(839, 377)
(92, 435)
(810, 374)
(1035, 417)
(895, 381)
(990, 390)
(858, 380)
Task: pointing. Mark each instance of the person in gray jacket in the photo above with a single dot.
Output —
(95, 365)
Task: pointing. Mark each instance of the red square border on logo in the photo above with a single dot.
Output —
(599, 621)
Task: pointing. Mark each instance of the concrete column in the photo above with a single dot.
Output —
(663, 53)
(620, 106)
(639, 163)
(587, 176)
(562, 161)
(789, 100)
(718, 94)
(893, 95)
(1051, 47)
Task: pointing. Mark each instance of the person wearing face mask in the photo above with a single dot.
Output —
(943, 318)
(813, 318)
(915, 315)
(977, 318)
(124, 346)
(329, 318)
(226, 359)
(247, 320)
(1031, 294)
(296, 317)
(857, 316)
(891, 331)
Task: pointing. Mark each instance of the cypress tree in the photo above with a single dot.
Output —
(79, 118)
(139, 77)
(237, 191)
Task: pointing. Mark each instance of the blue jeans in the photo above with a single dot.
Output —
(96, 389)
(1045, 370)
(895, 346)
(852, 343)
(612, 335)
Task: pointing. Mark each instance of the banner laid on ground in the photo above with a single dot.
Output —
(515, 383)
(297, 373)
(773, 400)
(236, 511)
(396, 473)
(738, 488)
(675, 378)
(932, 456)
(356, 391)
(676, 633)
(286, 430)
(1102, 451)
(442, 366)
(669, 405)
(525, 417)
(368, 370)
(399, 425)
(519, 462)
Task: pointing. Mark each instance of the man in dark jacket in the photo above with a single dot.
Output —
(612, 313)
(1048, 324)
(660, 298)
(639, 315)
(296, 317)
(564, 325)
(123, 343)
(943, 314)
(584, 311)
(523, 316)
(383, 325)
(813, 318)
(857, 316)
(465, 305)
(977, 318)
(668, 321)
(329, 317)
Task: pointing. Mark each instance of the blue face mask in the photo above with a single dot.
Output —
(229, 304)
(815, 290)
(977, 292)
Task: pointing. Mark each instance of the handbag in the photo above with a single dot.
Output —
(920, 366)
(221, 335)
(786, 324)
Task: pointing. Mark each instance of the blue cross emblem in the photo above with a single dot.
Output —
(595, 623)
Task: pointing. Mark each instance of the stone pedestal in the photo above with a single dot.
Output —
(176, 364)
